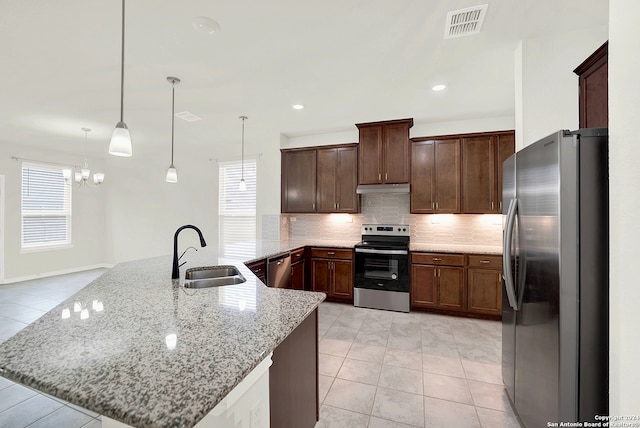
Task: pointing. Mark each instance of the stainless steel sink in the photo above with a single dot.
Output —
(212, 276)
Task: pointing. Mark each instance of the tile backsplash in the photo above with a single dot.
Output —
(464, 229)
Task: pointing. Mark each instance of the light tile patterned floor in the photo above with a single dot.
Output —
(382, 369)
(378, 369)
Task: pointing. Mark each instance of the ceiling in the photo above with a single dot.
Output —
(347, 61)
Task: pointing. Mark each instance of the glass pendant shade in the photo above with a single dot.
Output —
(172, 174)
(243, 185)
(98, 177)
(66, 173)
(120, 141)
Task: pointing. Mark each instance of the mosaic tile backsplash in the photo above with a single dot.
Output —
(464, 229)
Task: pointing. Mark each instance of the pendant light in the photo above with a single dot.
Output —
(120, 144)
(172, 174)
(243, 184)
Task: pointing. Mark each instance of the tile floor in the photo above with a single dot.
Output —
(382, 369)
(378, 369)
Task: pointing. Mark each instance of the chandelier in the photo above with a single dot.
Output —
(82, 177)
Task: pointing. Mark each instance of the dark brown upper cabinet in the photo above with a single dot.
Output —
(320, 179)
(593, 83)
(298, 181)
(435, 175)
(482, 158)
(384, 152)
(337, 175)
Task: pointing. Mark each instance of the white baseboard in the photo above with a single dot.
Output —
(55, 273)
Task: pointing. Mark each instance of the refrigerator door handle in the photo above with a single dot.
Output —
(507, 273)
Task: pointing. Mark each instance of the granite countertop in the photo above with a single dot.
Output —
(117, 361)
(456, 248)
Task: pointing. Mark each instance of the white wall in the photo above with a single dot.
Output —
(624, 172)
(547, 92)
(88, 219)
(145, 210)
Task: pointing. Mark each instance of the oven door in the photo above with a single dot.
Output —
(381, 269)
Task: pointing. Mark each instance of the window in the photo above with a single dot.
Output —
(46, 208)
(237, 208)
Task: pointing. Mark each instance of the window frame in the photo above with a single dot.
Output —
(66, 212)
(251, 181)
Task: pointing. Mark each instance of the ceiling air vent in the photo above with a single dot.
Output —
(465, 22)
(188, 116)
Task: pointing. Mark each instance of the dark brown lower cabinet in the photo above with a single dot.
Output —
(293, 378)
(467, 285)
(259, 269)
(484, 281)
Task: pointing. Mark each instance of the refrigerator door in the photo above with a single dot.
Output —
(537, 320)
(508, 311)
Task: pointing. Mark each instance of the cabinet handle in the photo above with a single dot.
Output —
(338, 205)
(492, 206)
(433, 205)
(500, 206)
(436, 205)
(485, 262)
(437, 259)
(386, 176)
(331, 253)
(379, 177)
(435, 273)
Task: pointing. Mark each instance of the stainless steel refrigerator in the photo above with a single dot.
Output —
(555, 312)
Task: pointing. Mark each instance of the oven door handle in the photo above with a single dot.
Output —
(374, 251)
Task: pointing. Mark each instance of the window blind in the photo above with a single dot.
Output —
(46, 207)
(236, 208)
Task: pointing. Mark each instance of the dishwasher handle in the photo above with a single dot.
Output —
(279, 271)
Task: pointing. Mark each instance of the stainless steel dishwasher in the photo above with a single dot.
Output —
(279, 271)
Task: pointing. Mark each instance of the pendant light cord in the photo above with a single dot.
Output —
(122, 69)
(173, 103)
(242, 158)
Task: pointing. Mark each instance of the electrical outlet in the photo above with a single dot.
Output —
(293, 219)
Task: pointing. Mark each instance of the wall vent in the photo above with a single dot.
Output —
(465, 22)
(188, 116)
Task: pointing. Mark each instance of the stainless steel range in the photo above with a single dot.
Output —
(381, 273)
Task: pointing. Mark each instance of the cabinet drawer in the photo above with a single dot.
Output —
(437, 259)
(258, 267)
(485, 261)
(331, 253)
(297, 255)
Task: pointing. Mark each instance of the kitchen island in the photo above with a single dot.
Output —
(139, 348)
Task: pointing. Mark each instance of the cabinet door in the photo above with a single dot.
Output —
(342, 279)
(320, 275)
(370, 156)
(485, 291)
(346, 177)
(423, 286)
(422, 173)
(593, 84)
(505, 147)
(396, 153)
(447, 176)
(298, 181)
(478, 175)
(451, 288)
(327, 162)
(297, 276)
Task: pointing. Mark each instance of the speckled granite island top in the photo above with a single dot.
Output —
(113, 355)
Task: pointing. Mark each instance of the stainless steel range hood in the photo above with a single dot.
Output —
(382, 188)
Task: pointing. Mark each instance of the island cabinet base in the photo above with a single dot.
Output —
(293, 378)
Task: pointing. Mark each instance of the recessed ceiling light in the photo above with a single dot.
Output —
(205, 25)
(297, 106)
(438, 88)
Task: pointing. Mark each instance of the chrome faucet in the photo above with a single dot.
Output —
(175, 273)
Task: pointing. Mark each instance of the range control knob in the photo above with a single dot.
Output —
(394, 276)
